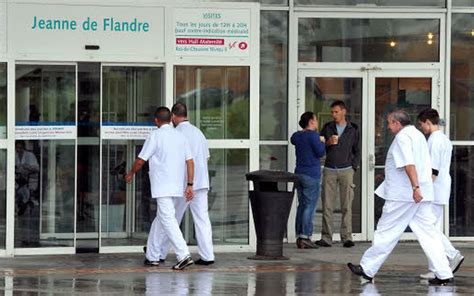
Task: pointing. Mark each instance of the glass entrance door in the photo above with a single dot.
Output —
(412, 90)
(45, 149)
(317, 90)
(369, 96)
(130, 96)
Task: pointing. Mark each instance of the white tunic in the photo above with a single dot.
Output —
(408, 148)
(440, 151)
(167, 150)
(200, 153)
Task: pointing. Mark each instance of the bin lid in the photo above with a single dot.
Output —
(271, 176)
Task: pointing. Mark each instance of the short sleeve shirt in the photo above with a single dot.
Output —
(200, 153)
(166, 150)
(440, 151)
(408, 148)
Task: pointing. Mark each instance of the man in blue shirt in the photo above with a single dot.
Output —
(309, 149)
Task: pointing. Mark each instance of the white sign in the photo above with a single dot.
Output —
(67, 29)
(212, 32)
(54, 132)
(119, 132)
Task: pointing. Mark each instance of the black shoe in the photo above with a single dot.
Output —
(322, 243)
(151, 263)
(305, 243)
(348, 244)
(203, 262)
(182, 264)
(144, 251)
(357, 270)
(439, 282)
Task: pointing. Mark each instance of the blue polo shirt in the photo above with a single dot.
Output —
(309, 149)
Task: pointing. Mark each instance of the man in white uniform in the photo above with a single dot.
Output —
(408, 192)
(198, 205)
(440, 150)
(170, 161)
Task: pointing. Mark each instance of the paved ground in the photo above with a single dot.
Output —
(308, 272)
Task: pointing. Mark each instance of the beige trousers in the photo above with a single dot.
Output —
(334, 182)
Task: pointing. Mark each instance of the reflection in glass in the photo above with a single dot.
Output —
(3, 100)
(411, 94)
(273, 72)
(368, 40)
(461, 206)
(131, 94)
(462, 78)
(217, 99)
(374, 3)
(228, 196)
(45, 94)
(273, 157)
(320, 92)
(44, 193)
(126, 215)
(3, 197)
(465, 3)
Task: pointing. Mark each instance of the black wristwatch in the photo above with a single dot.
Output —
(190, 184)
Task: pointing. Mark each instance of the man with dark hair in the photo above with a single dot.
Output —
(342, 160)
(199, 204)
(408, 192)
(170, 161)
(440, 151)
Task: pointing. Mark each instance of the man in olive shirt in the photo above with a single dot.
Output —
(342, 160)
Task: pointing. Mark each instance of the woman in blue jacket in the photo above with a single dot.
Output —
(309, 149)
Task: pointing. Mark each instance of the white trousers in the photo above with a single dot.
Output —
(449, 250)
(164, 226)
(396, 216)
(203, 228)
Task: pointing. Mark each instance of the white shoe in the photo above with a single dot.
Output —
(428, 276)
(456, 262)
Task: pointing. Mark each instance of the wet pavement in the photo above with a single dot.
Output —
(308, 272)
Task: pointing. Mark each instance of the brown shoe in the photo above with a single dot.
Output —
(305, 243)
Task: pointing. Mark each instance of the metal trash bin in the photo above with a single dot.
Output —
(271, 208)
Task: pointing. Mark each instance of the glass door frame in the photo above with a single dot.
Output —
(11, 250)
(368, 73)
(130, 188)
(336, 73)
(372, 75)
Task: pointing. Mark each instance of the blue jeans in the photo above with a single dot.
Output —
(308, 193)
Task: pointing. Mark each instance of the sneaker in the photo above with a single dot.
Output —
(203, 262)
(439, 282)
(428, 276)
(357, 270)
(144, 252)
(456, 262)
(322, 243)
(305, 243)
(348, 244)
(151, 263)
(182, 264)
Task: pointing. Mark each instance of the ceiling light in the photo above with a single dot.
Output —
(430, 35)
(393, 43)
(430, 42)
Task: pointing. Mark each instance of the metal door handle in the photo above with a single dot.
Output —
(371, 162)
